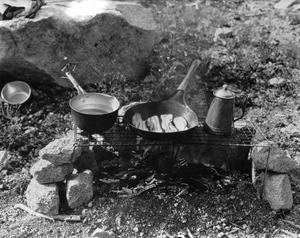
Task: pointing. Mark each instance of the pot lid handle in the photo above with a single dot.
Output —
(224, 92)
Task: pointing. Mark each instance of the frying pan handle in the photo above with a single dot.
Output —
(75, 84)
(189, 75)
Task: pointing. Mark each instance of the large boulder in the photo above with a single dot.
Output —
(103, 37)
(43, 198)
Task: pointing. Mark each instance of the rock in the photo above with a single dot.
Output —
(61, 151)
(293, 129)
(279, 161)
(100, 233)
(277, 191)
(221, 235)
(107, 37)
(283, 4)
(277, 81)
(43, 198)
(80, 189)
(86, 161)
(46, 172)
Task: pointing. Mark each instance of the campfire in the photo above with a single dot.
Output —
(143, 145)
(158, 138)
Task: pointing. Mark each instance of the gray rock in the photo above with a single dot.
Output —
(100, 233)
(113, 37)
(277, 81)
(80, 189)
(61, 151)
(277, 191)
(279, 161)
(46, 172)
(43, 198)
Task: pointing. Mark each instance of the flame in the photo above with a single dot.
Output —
(87, 8)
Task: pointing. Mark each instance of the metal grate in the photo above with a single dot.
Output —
(246, 133)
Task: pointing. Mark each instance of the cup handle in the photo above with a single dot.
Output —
(243, 108)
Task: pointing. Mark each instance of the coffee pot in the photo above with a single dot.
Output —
(220, 116)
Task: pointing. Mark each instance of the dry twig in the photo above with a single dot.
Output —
(189, 233)
(291, 223)
(51, 218)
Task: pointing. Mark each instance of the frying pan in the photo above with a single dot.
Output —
(175, 104)
(93, 113)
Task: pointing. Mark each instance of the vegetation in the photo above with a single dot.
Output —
(248, 44)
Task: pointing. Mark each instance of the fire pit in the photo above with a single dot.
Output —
(79, 151)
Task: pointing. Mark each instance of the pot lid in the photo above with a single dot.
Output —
(224, 92)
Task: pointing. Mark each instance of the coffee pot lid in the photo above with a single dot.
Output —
(224, 92)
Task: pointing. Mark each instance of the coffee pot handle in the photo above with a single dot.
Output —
(243, 108)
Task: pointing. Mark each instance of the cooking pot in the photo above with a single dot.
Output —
(93, 113)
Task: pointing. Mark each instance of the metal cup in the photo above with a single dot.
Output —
(13, 94)
(16, 93)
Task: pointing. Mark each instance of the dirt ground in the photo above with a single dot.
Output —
(245, 42)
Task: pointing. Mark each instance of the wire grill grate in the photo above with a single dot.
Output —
(246, 133)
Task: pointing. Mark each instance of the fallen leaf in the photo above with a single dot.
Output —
(224, 31)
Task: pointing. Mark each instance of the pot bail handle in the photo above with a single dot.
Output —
(75, 84)
(189, 75)
(243, 108)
